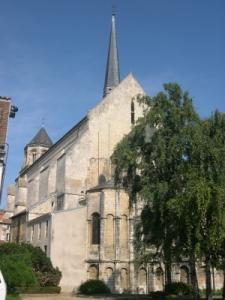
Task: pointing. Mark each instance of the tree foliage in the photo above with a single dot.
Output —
(174, 162)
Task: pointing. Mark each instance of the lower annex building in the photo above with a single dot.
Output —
(65, 202)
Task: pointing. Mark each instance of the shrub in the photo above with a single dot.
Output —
(25, 266)
(178, 288)
(218, 292)
(17, 272)
(91, 287)
(158, 295)
(46, 274)
(49, 278)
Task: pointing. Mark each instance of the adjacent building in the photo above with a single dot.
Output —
(7, 110)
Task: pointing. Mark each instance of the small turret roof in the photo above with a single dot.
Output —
(41, 139)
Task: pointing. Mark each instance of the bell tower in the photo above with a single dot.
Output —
(40, 143)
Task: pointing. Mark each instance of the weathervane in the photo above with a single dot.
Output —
(42, 122)
(113, 7)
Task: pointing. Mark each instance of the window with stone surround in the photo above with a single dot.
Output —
(95, 240)
(34, 155)
(32, 233)
(39, 231)
(60, 202)
(93, 272)
(46, 229)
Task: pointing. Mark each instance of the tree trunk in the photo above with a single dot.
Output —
(208, 277)
(223, 296)
(194, 279)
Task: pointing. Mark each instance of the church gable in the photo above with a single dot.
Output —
(110, 120)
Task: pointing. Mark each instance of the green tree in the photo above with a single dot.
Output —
(174, 162)
(150, 162)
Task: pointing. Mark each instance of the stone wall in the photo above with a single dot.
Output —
(68, 243)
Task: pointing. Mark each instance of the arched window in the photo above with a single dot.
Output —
(184, 274)
(124, 232)
(109, 278)
(95, 229)
(132, 113)
(123, 280)
(142, 281)
(93, 272)
(159, 279)
(101, 179)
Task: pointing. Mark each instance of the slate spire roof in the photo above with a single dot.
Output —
(112, 76)
(41, 139)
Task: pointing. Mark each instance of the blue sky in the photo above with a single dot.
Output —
(53, 56)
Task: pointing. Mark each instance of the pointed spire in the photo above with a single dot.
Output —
(112, 76)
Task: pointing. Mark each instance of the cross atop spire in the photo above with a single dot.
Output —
(112, 76)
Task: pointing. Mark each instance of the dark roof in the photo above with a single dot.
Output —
(41, 139)
(38, 218)
(112, 76)
(22, 212)
(102, 186)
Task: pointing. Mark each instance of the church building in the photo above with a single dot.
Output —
(65, 202)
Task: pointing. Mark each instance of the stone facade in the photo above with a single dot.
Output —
(65, 202)
(64, 186)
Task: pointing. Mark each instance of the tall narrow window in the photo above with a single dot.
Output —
(60, 202)
(34, 155)
(39, 231)
(132, 113)
(95, 229)
(32, 233)
(46, 229)
(43, 184)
